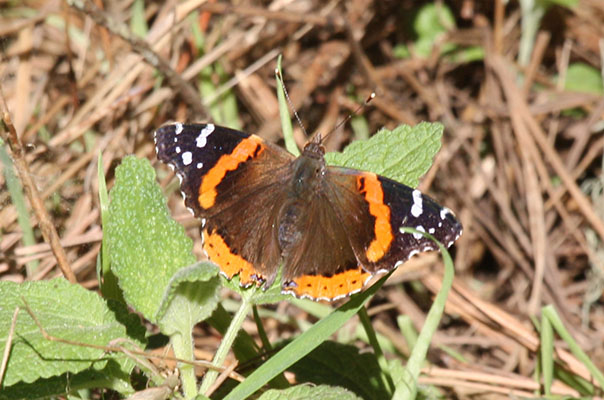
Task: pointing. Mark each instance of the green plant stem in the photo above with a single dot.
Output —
(286, 123)
(106, 277)
(16, 193)
(261, 332)
(183, 348)
(532, 13)
(377, 350)
(550, 313)
(225, 345)
(405, 325)
(547, 350)
(408, 389)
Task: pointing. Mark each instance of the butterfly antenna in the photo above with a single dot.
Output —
(291, 105)
(352, 114)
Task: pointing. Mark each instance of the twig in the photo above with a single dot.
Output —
(384, 100)
(221, 378)
(498, 26)
(44, 221)
(538, 139)
(249, 70)
(306, 18)
(536, 215)
(8, 345)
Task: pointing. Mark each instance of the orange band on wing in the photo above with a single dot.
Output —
(370, 186)
(247, 148)
(329, 288)
(230, 264)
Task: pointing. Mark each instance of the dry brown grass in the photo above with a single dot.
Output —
(514, 163)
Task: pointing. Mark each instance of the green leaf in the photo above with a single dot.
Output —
(581, 77)
(69, 383)
(303, 344)
(304, 392)
(191, 297)
(467, 55)
(147, 247)
(562, 3)
(223, 106)
(138, 24)
(65, 311)
(429, 23)
(342, 365)
(432, 20)
(404, 154)
(401, 51)
(196, 32)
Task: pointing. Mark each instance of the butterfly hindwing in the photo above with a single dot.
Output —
(331, 228)
(385, 207)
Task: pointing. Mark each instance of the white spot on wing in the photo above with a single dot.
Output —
(187, 157)
(209, 129)
(431, 231)
(419, 235)
(199, 165)
(443, 212)
(202, 138)
(177, 149)
(178, 129)
(418, 204)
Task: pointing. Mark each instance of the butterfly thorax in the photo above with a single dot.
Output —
(307, 175)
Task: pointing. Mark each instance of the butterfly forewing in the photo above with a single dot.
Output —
(231, 180)
(210, 153)
(332, 228)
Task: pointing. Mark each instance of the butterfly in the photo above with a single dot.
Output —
(331, 228)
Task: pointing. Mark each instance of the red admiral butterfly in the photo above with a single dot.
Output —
(333, 228)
